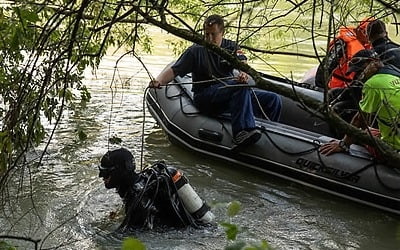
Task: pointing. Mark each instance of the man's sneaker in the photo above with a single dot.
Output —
(244, 137)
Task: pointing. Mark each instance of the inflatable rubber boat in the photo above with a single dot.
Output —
(288, 149)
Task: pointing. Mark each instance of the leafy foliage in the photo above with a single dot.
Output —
(44, 50)
(233, 208)
(232, 231)
(132, 244)
(5, 246)
(46, 46)
(38, 68)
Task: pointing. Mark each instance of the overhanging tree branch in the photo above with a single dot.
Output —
(391, 156)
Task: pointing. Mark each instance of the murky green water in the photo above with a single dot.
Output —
(70, 199)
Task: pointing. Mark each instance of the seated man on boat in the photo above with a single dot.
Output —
(157, 196)
(212, 96)
(380, 98)
(332, 71)
(344, 92)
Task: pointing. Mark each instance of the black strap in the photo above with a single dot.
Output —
(182, 181)
(341, 78)
(201, 211)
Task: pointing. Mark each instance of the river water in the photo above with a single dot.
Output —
(69, 200)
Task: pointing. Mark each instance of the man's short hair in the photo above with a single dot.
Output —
(375, 29)
(215, 19)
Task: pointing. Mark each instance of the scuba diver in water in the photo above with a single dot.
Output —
(159, 195)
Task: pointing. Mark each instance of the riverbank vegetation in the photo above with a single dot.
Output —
(47, 45)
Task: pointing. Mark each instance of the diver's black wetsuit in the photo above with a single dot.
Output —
(153, 200)
(151, 196)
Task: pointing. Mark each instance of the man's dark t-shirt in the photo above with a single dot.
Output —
(388, 51)
(205, 64)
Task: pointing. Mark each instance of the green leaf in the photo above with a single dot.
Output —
(5, 246)
(82, 135)
(85, 94)
(28, 15)
(66, 93)
(231, 230)
(14, 44)
(262, 246)
(236, 246)
(233, 208)
(132, 244)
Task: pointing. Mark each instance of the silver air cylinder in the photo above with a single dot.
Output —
(190, 199)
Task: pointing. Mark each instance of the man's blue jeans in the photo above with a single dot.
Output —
(240, 102)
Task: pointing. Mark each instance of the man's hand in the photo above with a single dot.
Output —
(331, 147)
(154, 84)
(242, 77)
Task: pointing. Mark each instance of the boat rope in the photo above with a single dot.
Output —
(143, 108)
(374, 164)
(306, 151)
(184, 92)
(143, 105)
(180, 93)
(259, 105)
(220, 79)
(349, 175)
(143, 123)
(238, 85)
(316, 143)
(323, 165)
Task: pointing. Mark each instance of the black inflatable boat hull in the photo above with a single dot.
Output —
(285, 151)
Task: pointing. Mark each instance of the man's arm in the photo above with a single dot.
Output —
(181, 67)
(163, 78)
(342, 145)
(358, 122)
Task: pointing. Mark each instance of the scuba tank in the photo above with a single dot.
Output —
(190, 199)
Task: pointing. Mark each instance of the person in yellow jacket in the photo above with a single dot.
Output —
(380, 99)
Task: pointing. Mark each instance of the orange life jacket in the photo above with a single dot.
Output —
(339, 79)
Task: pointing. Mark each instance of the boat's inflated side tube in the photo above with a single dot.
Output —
(190, 199)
